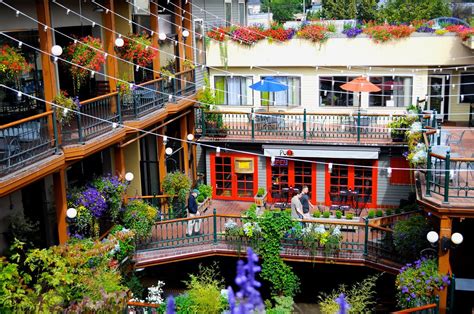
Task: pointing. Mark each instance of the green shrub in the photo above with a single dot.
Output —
(205, 190)
(177, 183)
(139, 217)
(409, 236)
(200, 199)
(260, 192)
(371, 214)
(379, 213)
(283, 305)
(361, 297)
(388, 212)
(331, 28)
(338, 214)
(349, 216)
(317, 214)
(326, 214)
(398, 210)
(411, 207)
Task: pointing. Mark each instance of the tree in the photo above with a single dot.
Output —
(283, 10)
(367, 10)
(339, 9)
(406, 11)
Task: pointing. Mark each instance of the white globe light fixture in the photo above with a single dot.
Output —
(185, 33)
(129, 176)
(190, 137)
(168, 151)
(432, 237)
(162, 36)
(56, 50)
(457, 238)
(71, 213)
(119, 42)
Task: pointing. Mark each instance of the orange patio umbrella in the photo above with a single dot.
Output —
(360, 84)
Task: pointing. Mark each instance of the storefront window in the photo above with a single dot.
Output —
(304, 176)
(331, 93)
(395, 91)
(223, 176)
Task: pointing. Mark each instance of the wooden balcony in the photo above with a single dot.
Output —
(308, 127)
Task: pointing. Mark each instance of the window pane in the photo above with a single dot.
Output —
(242, 13)
(219, 84)
(395, 91)
(467, 87)
(228, 13)
(331, 93)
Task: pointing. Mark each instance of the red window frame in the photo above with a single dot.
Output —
(291, 179)
(400, 177)
(234, 180)
(351, 180)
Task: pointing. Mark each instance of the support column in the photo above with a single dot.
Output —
(161, 157)
(183, 125)
(155, 27)
(109, 45)
(59, 182)
(48, 67)
(179, 34)
(187, 24)
(444, 265)
(119, 160)
(193, 148)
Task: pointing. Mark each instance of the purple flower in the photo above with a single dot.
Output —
(93, 200)
(423, 273)
(352, 32)
(427, 281)
(248, 298)
(425, 29)
(343, 305)
(170, 306)
(408, 299)
(446, 280)
(77, 102)
(404, 289)
(413, 295)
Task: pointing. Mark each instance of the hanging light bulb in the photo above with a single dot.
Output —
(389, 172)
(129, 176)
(190, 137)
(162, 36)
(272, 159)
(20, 44)
(114, 125)
(168, 151)
(185, 33)
(119, 42)
(71, 213)
(218, 151)
(165, 139)
(330, 167)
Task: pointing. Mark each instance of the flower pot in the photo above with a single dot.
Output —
(260, 200)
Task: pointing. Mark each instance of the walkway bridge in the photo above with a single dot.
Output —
(362, 243)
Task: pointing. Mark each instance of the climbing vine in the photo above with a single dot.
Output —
(283, 280)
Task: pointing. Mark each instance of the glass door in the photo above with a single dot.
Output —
(223, 176)
(363, 185)
(436, 95)
(234, 177)
(304, 176)
(339, 181)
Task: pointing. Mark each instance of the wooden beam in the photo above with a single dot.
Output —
(179, 34)
(119, 161)
(109, 45)
(161, 157)
(183, 125)
(155, 27)
(187, 24)
(59, 182)
(444, 266)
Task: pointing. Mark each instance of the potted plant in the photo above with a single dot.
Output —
(261, 197)
(90, 59)
(136, 48)
(12, 65)
(204, 198)
(399, 128)
(177, 184)
(66, 107)
(326, 214)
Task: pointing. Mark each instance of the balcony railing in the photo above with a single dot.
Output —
(144, 99)
(297, 126)
(26, 141)
(360, 240)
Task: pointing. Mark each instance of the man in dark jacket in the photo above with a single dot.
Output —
(195, 224)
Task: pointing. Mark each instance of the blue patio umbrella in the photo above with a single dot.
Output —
(269, 84)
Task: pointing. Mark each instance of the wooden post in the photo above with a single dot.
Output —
(179, 30)
(184, 134)
(187, 24)
(48, 67)
(59, 181)
(155, 27)
(109, 45)
(119, 161)
(161, 157)
(444, 265)
(193, 148)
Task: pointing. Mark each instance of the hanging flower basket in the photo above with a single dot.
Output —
(12, 64)
(88, 58)
(137, 49)
(66, 107)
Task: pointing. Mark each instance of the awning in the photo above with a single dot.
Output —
(335, 152)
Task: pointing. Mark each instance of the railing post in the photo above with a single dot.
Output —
(366, 237)
(203, 122)
(304, 124)
(428, 173)
(214, 219)
(438, 140)
(55, 132)
(119, 109)
(252, 118)
(79, 126)
(358, 126)
(446, 177)
(135, 102)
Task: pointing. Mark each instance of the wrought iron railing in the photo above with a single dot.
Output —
(360, 240)
(26, 141)
(144, 99)
(297, 126)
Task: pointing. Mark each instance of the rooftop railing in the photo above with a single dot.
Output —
(358, 127)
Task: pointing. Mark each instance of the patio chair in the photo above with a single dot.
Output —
(453, 139)
(9, 147)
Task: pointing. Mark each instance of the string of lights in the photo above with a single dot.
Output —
(218, 149)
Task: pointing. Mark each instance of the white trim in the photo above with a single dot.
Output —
(331, 152)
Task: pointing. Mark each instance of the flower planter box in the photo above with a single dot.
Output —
(260, 201)
(202, 207)
(469, 43)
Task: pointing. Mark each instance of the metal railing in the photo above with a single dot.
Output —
(299, 126)
(26, 141)
(144, 99)
(184, 83)
(432, 308)
(360, 240)
(161, 202)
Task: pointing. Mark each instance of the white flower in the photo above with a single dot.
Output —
(155, 293)
(230, 224)
(416, 127)
(225, 293)
(319, 229)
(336, 231)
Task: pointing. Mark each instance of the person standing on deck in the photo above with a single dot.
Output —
(194, 224)
(296, 207)
(305, 201)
